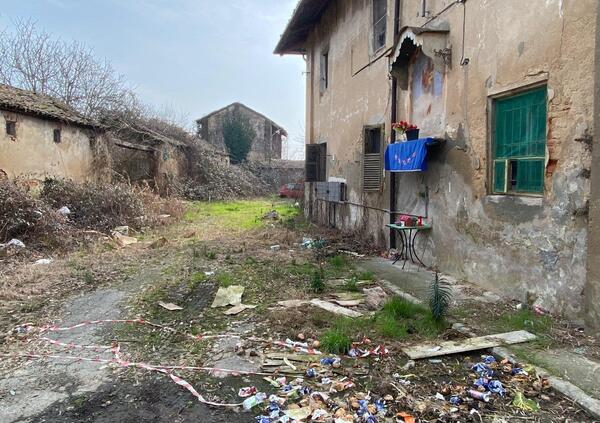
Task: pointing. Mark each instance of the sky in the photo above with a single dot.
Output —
(191, 56)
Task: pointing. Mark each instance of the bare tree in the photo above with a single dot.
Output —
(33, 60)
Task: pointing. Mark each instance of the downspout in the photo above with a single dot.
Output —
(393, 116)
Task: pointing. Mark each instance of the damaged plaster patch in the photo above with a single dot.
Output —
(549, 259)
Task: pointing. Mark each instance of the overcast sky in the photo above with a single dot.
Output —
(192, 55)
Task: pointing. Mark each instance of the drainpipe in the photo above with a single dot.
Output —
(592, 285)
(393, 116)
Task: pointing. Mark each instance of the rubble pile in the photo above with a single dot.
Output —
(212, 179)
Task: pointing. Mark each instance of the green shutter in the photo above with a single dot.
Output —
(530, 176)
(520, 134)
(499, 176)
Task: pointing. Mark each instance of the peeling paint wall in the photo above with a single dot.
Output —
(524, 246)
(32, 153)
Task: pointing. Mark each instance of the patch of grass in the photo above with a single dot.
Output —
(243, 214)
(398, 307)
(338, 262)
(351, 285)
(88, 277)
(317, 284)
(334, 341)
(526, 320)
(197, 277)
(225, 279)
(33, 306)
(366, 276)
(389, 327)
(429, 327)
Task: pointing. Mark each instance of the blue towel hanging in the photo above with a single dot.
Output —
(407, 156)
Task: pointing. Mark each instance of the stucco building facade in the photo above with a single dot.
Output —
(40, 137)
(268, 138)
(507, 89)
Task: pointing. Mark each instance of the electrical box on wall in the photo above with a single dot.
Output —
(331, 191)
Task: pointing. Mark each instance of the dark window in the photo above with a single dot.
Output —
(57, 136)
(519, 143)
(324, 69)
(11, 128)
(372, 163)
(316, 162)
(379, 23)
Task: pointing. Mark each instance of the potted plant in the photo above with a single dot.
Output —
(411, 131)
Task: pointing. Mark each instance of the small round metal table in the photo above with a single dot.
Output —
(408, 235)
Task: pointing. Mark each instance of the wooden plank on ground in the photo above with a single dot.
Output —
(325, 305)
(471, 344)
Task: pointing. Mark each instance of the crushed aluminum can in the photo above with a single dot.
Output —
(481, 396)
(488, 359)
(247, 391)
(329, 361)
(455, 400)
(380, 404)
(496, 387)
(263, 419)
(310, 372)
(518, 371)
(304, 390)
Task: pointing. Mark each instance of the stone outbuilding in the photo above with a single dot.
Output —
(269, 136)
(503, 89)
(41, 137)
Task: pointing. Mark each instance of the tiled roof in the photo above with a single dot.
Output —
(28, 102)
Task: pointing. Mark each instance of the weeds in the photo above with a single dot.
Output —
(366, 276)
(225, 279)
(389, 327)
(351, 285)
(337, 262)
(335, 341)
(317, 283)
(398, 308)
(88, 277)
(526, 320)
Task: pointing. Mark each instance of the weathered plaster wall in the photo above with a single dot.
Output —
(358, 95)
(81, 154)
(592, 287)
(522, 246)
(266, 144)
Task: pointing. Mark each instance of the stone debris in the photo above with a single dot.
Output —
(231, 295)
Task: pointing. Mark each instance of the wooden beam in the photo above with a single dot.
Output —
(471, 344)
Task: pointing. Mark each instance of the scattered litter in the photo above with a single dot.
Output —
(209, 273)
(409, 365)
(298, 413)
(15, 243)
(471, 344)
(276, 247)
(64, 210)
(525, 404)
(310, 243)
(271, 215)
(238, 309)
(169, 306)
(163, 216)
(247, 391)
(435, 361)
(254, 400)
(482, 396)
(231, 295)
(336, 309)
(43, 261)
(440, 397)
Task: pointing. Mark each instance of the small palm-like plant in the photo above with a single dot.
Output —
(440, 294)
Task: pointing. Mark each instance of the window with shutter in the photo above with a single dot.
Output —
(372, 161)
(519, 143)
(315, 162)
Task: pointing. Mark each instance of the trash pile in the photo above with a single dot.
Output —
(316, 397)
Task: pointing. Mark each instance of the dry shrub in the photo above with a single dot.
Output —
(103, 206)
(30, 220)
(95, 205)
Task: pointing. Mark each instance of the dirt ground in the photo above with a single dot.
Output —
(217, 246)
